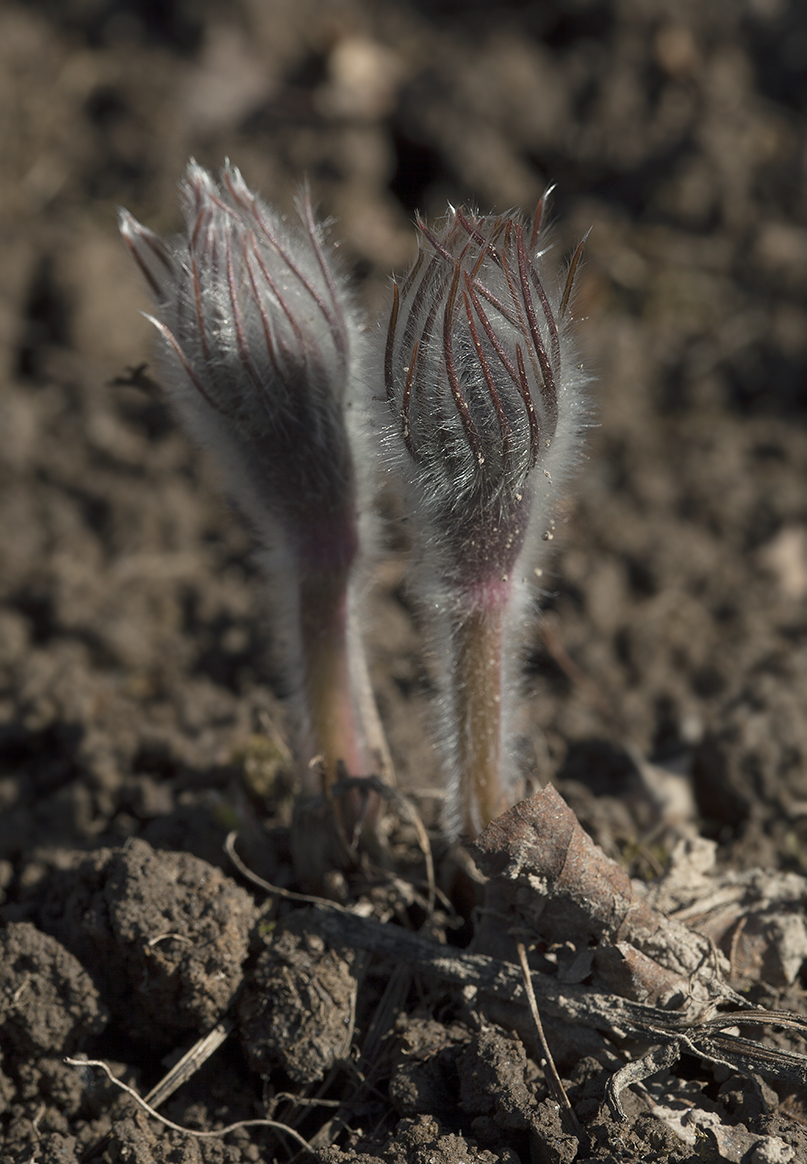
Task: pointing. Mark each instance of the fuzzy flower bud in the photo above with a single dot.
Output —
(262, 356)
(485, 405)
(258, 346)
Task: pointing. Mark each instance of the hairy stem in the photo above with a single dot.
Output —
(478, 703)
(335, 731)
(345, 736)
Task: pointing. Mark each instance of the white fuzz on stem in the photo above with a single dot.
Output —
(262, 357)
(485, 409)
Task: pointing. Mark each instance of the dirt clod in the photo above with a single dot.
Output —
(165, 935)
(297, 1007)
(48, 1002)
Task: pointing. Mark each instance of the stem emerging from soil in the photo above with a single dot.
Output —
(479, 681)
(335, 734)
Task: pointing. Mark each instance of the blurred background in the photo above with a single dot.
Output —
(134, 681)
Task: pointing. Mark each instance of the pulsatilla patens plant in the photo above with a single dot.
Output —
(266, 361)
(262, 356)
(485, 408)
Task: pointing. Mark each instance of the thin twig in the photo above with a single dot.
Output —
(553, 1080)
(275, 890)
(306, 1101)
(360, 964)
(397, 798)
(391, 1001)
(366, 783)
(178, 1127)
(189, 1064)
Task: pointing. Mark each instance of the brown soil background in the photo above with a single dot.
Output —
(135, 692)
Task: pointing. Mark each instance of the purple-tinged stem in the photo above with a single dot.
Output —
(344, 736)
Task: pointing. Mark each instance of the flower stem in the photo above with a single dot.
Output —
(335, 734)
(479, 680)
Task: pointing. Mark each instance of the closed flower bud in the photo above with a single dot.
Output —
(485, 410)
(262, 356)
(259, 348)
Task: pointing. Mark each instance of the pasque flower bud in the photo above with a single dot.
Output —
(485, 409)
(262, 357)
